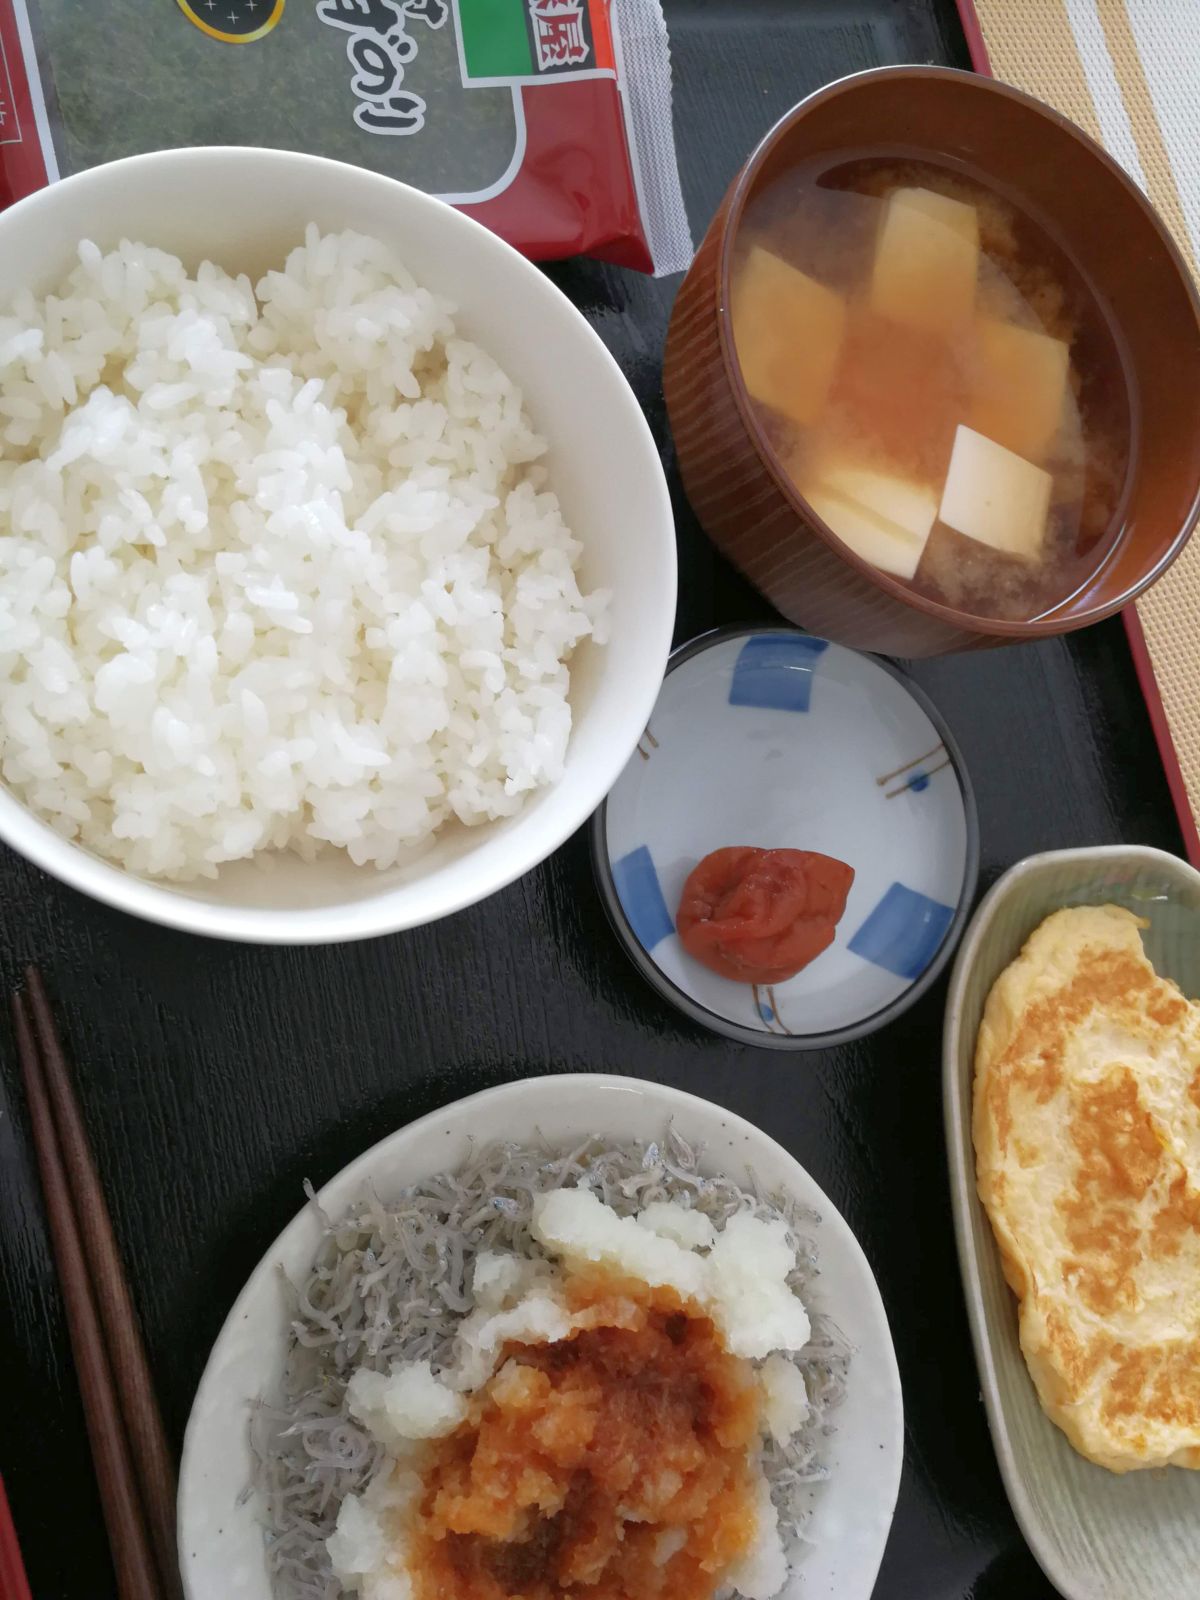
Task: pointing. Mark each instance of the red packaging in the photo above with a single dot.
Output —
(547, 120)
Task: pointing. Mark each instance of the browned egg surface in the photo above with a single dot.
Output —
(1087, 1134)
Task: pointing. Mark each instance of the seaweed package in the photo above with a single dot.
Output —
(547, 120)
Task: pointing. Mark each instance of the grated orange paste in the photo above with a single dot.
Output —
(614, 1464)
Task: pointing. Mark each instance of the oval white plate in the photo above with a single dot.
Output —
(1096, 1536)
(221, 1537)
(772, 737)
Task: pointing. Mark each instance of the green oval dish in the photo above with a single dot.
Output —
(1097, 1536)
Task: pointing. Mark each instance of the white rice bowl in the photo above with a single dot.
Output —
(276, 573)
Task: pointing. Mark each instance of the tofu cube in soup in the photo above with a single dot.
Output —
(935, 377)
(787, 329)
(995, 496)
(926, 262)
(1021, 387)
(884, 519)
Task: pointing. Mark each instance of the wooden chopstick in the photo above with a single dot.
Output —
(133, 1560)
(126, 1353)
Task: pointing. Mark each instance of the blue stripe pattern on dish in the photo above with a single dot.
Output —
(903, 933)
(775, 671)
(641, 897)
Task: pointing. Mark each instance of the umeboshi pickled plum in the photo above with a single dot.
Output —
(760, 916)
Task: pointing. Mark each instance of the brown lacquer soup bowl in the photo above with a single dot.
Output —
(1091, 213)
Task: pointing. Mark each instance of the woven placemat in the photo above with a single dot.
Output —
(1128, 73)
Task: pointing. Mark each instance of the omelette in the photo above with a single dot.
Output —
(1087, 1144)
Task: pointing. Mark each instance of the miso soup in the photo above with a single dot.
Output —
(936, 378)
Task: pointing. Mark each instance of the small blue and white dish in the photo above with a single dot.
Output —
(771, 737)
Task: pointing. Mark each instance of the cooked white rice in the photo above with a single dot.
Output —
(275, 572)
